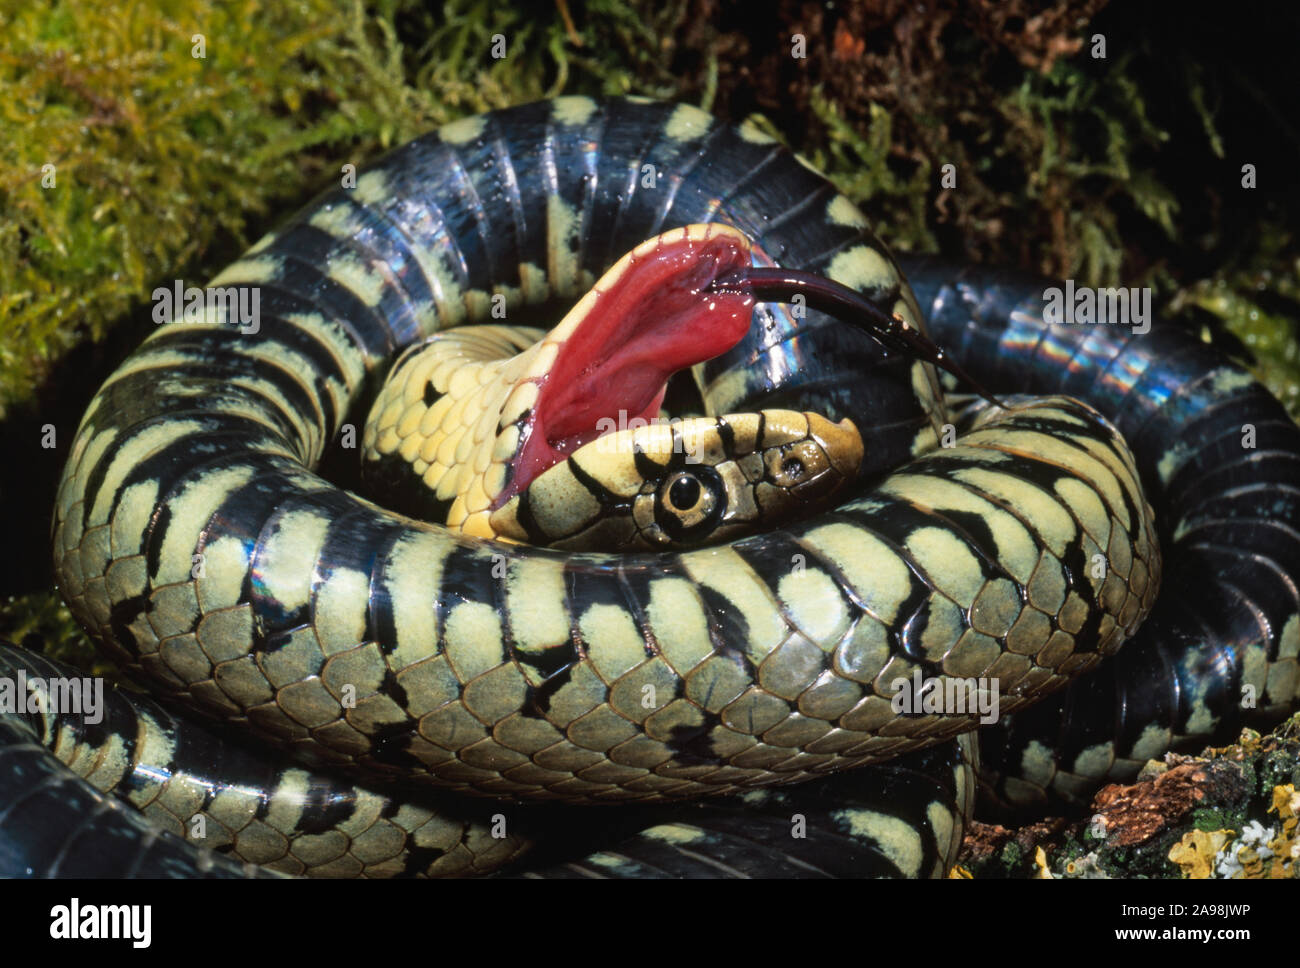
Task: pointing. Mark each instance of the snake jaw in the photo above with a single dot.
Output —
(741, 471)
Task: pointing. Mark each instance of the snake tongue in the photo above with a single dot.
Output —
(649, 316)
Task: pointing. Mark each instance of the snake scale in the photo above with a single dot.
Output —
(399, 663)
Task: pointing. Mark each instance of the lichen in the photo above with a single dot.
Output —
(1042, 872)
(1198, 851)
(1087, 867)
(1218, 814)
(1250, 847)
(1257, 852)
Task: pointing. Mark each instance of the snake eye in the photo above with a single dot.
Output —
(689, 504)
(683, 493)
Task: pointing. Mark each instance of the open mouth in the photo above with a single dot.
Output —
(650, 316)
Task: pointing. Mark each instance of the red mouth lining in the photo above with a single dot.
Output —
(653, 320)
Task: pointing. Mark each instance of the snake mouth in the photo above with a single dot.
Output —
(649, 316)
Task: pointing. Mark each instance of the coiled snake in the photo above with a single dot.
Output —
(193, 538)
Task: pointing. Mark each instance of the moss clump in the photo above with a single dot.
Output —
(1216, 818)
(42, 621)
(131, 155)
(1254, 315)
(136, 160)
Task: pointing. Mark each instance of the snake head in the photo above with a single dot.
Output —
(555, 438)
(684, 483)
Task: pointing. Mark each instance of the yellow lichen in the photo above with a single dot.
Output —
(1286, 845)
(1247, 745)
(1040, 861)
(1195, 853)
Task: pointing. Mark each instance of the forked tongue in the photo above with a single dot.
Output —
(779, 284)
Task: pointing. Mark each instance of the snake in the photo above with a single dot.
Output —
(443, 701)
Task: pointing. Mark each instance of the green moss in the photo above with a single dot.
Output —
(1216, 818)
(1260, 308)
(857, 161)
(1012, 857)
(118, 134)
(42, 621)
(1280, 766)
(162, 160)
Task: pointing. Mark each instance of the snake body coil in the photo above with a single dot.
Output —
(193, 538)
